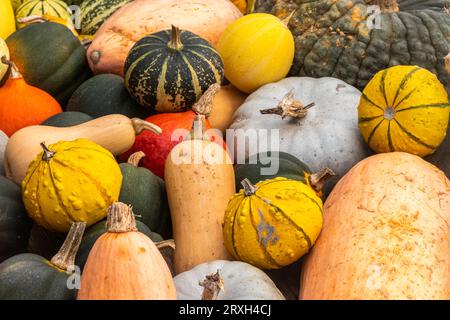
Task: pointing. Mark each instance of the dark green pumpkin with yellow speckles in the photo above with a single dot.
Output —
(352, 40)
(170, 70)
(29, 276)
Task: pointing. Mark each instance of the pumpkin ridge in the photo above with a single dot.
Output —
(264, 249)
(413, 137)
(25, 184)
(365, 97)
(54, 9)
(162, 78)
(402, 85)
(308, 240)
(369, 139)
(135, 63)
(383, 86)
(58, 195)
(405, 97)
(195, 81)
(425, 106)
(430, 34)
(32, 8)
(213, 68)
(368, 119)
(391, 146)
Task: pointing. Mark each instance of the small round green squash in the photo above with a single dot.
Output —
(147, 194)
(258, 167)
(169, 71)
(15, 225)
(31, 277)
(94, 232)
(105, 94)
(50, 57)
(67, 119)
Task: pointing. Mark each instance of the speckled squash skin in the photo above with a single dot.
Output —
(77, 183)
(385, 234)
(170, 70)
(341, 39)
(15, 225)
(95, 12)
(274, 225)
(30, 48)
(404, 108)
(256, 49)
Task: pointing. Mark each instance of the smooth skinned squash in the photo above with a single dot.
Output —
(115, 133)
(199, 180)
(385, 234)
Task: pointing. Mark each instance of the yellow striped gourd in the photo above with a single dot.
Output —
(273, 223)
(71, 181)
(54, 8)
(404, 108)
(95, 12)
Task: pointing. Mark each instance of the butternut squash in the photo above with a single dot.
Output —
(199, 180)
(385, 234)
(115, 133)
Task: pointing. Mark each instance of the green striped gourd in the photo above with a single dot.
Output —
(55, 8)
(170, 70)
(95, 12)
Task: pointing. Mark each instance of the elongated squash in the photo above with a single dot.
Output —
(385, 235)
(199, 180)
(113, 132)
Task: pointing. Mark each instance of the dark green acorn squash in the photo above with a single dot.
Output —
(15, 225)
(95, 12)
(67, 119)
(43, 242)
(28, 276)
(94, 232)
(169, 71)
(256, 169)
(147, 194)
(105, 94)
(50, 57)
(349, 40)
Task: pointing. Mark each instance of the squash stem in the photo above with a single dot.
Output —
(249, 188)
(166, 244)
(204, 104)
(15, 73)
(120, 218)
(212, 285)
(135, 158)
(175, 39)
(140, 125)
(48, 154)
(289, 107)
(286, 20)
(66, 254)
(317, 180)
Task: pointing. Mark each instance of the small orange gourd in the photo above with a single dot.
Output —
(22, 105)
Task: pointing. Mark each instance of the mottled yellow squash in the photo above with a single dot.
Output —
(71, 181)
(273, 223)
(256, 49)
(404, 108)
(7, 22)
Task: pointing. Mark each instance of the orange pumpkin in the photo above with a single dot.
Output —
(22, 105)
(125, 264)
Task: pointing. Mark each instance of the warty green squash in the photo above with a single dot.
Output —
(31, 277)
(352, 40)
(169, 71)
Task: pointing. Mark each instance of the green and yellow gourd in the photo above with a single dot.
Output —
(404, 108)
(71, 181)
(95, 12)
(55, 8)
(273, 223)
(170, 70)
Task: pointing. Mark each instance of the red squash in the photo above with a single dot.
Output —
(22, 105)
(157, 147)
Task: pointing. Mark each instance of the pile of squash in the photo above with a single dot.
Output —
(217, 149)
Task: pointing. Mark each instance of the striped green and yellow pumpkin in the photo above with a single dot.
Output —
(17, 3)
(404, 108)
(273, 223)
(170, 70)
(54, 8)
(95, 12)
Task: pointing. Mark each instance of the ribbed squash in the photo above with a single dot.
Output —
(17, 3)
(71, 181)
(95, 12)
(273, 223)
(23, 22)
(256, 49)
(4, 52)
(7, 22)
(170, 70)
(404, 108)
(55, 8)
